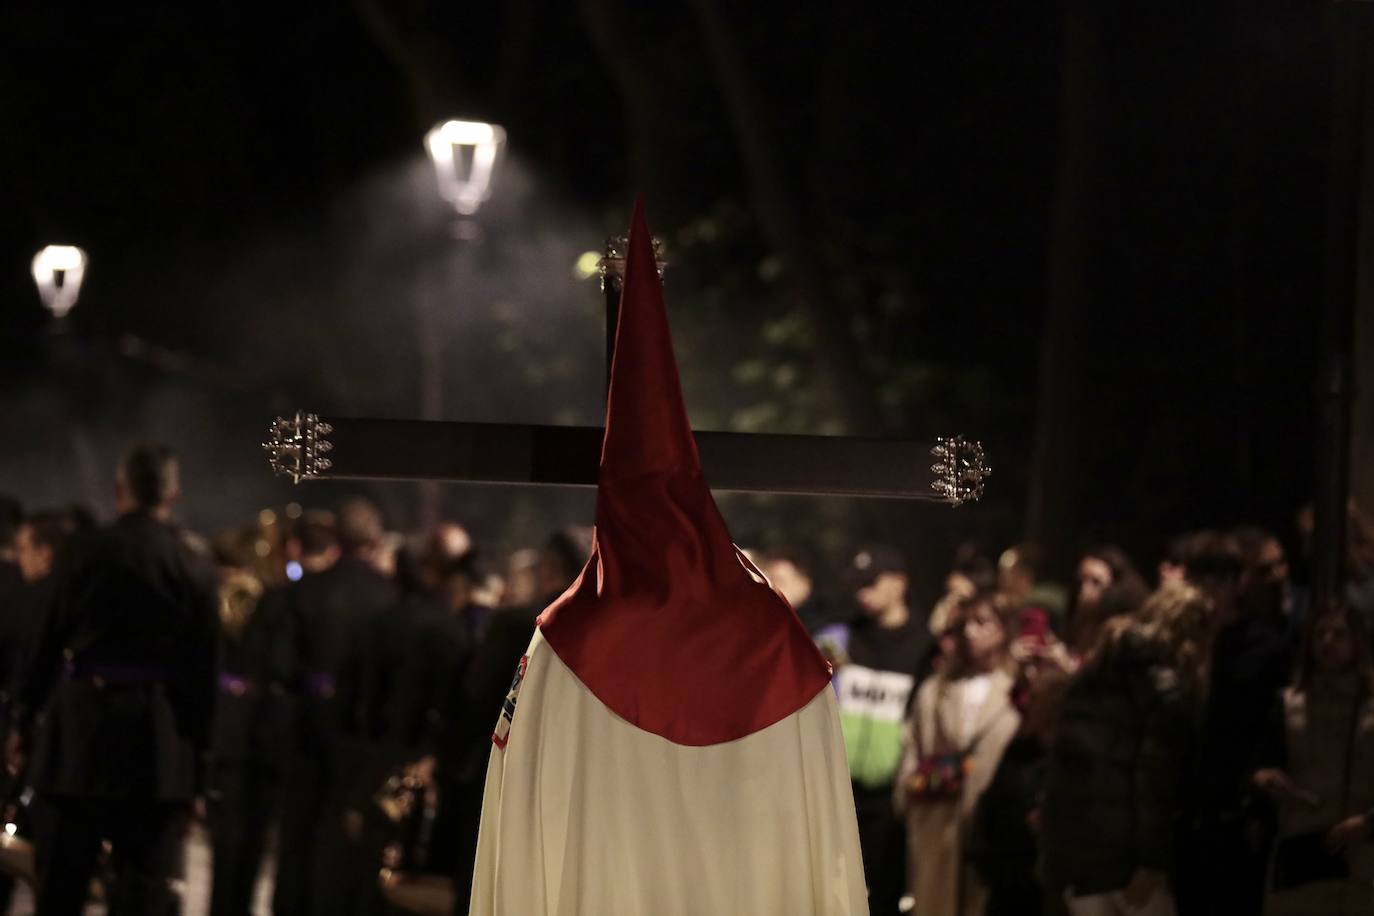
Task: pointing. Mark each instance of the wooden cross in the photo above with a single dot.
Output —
(308, 447)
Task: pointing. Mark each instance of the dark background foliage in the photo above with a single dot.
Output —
(1095, 226)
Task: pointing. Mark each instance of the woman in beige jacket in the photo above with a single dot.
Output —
(961, 722)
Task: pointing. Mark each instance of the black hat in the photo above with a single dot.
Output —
(872, 561)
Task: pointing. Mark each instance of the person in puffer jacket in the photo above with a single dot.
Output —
(1125, 731)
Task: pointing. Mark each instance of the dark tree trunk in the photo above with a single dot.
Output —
(645, 104)
(425, 60)
(782, 218)
(1350, 35)
(1052, 513)
(1362, 445)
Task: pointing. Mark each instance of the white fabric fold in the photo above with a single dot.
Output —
(587, 815)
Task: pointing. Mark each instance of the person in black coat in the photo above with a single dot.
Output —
(11, 517)
(1122, 739)
(394, 662)
(1003, 844)
(452, 729)
(13, 614)
(16, 599)
(42, 539)
(471, 701)
(507, 635)
(327, 612)
(1228, 828)
(251, 724)
(122, 690)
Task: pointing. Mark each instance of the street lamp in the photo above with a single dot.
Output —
(464, 154)
(58, 271)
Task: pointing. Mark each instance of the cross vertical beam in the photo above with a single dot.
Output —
(612, 269)
(610, 286)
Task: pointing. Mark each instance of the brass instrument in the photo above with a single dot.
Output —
(410, 803)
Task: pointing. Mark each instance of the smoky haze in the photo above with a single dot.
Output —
(199, 342)
(321, 312)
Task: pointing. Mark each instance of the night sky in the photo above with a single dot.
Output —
(250, 184)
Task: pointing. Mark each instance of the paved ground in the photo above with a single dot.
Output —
(197, 893)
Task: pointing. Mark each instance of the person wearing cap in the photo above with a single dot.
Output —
(878, 655)
(669, 743)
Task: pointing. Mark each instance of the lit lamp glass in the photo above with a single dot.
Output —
(58, 271)
(464, 155)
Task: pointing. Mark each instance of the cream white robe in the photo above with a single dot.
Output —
(588, 815)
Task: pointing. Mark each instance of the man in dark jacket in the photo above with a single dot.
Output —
(252, 723)
(1124, 732)
(328, 611)
(1228, 829)
(14, 592)
(14, 604)
(11, 517)
(122, 689)
(471, 701)
(42, 539)
(395, 662)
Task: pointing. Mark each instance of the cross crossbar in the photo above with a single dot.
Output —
(307, 448)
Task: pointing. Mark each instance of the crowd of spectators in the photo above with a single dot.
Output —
(1196, 737)
(1198, 740)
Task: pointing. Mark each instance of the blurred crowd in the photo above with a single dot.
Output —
(1196, 737)
(318, 690)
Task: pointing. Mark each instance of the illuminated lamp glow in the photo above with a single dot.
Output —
(58, 270)
(464, 155)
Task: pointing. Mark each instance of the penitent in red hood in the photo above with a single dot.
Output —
(666, 625)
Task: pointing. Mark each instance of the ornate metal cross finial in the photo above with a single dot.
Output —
(612, 264)
(960, 468)
(296, 447)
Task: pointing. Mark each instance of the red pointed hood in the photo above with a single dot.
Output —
(666, 625)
